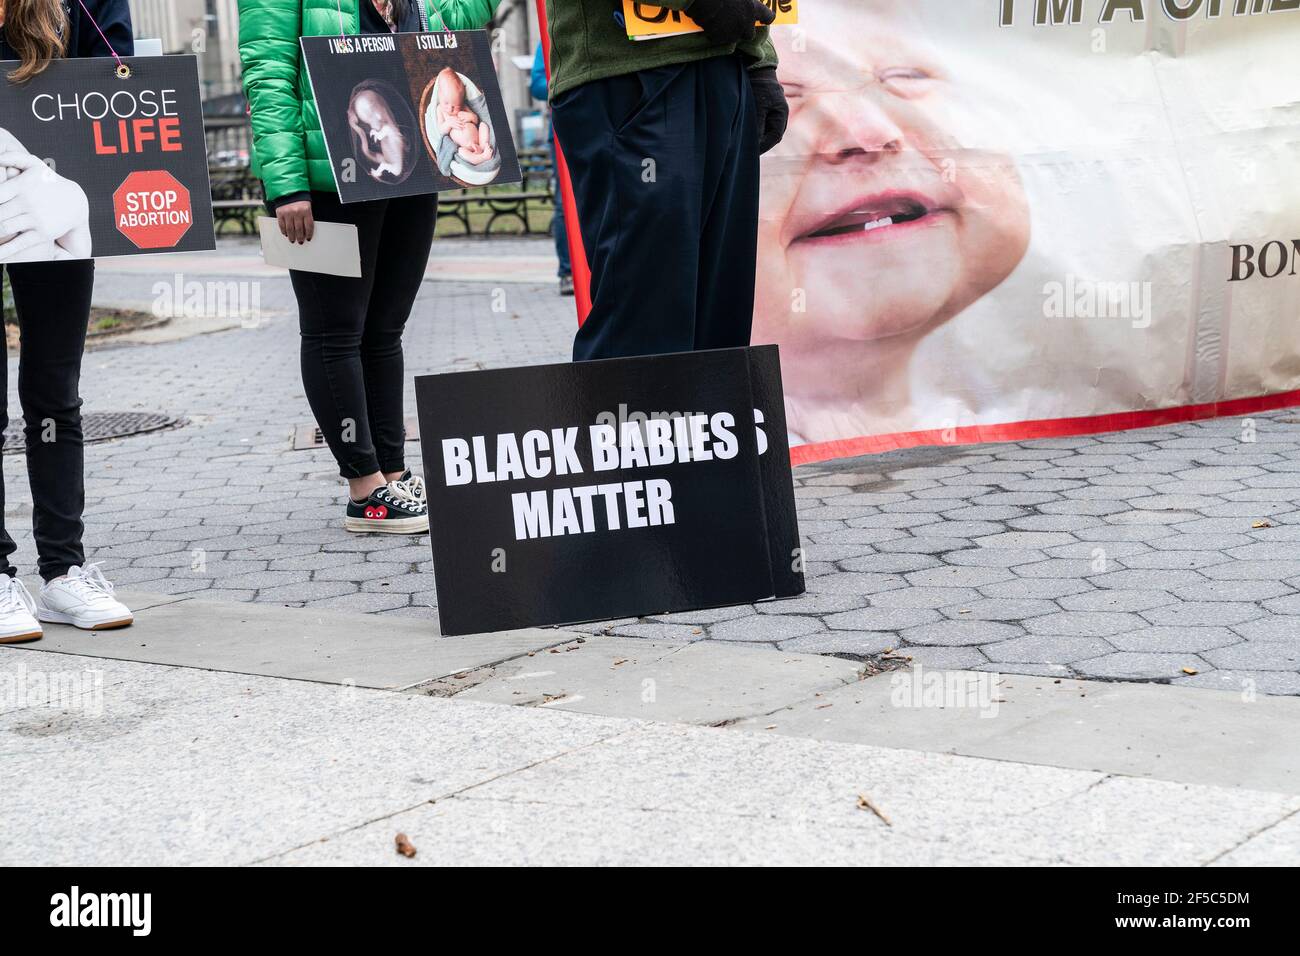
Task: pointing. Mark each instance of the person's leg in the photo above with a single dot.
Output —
(559, 227)
(53, 304)
(18, 622)
(724, 313)
(635, 146)
(7, 545)
(404, 245)
(331, 317)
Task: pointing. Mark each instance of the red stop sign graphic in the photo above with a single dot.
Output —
(153, 209)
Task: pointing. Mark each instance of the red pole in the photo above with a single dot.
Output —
(578, 255)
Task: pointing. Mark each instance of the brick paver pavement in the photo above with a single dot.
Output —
(1166, 554)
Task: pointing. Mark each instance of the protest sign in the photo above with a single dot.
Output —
(410, 114)
(98, 164)
(588, 491)
(648, 21)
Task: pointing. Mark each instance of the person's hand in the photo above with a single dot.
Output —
(296, 222)
(773, 110)
(5, 174)
(39, 207)
(730, 21)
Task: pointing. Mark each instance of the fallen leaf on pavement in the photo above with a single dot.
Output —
(1261, 524)
(404, 846)
(864, 803)
(1190, 670)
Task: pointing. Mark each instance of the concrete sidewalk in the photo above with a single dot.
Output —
(214, 732)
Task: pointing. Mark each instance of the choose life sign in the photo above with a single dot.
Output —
(579, 492)
(104, 165)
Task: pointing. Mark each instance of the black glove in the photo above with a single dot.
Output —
(773, 111)
(730, 21)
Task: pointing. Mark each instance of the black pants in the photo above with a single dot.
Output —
(352, 368)
(665, 171)
(53, 303)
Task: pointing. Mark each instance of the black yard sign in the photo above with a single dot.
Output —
(97, 163)
(567, 493)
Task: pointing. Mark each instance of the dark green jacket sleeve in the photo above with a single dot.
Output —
(762, 50)
(465, 14)
(268, 45)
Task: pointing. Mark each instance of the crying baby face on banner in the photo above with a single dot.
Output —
(880, 220)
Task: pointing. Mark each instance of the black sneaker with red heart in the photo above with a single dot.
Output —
(392, 509)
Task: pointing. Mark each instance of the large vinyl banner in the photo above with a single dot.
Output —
(995, 219)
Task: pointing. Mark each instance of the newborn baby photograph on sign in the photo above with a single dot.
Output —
(410, 114)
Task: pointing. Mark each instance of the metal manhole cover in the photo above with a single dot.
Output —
(100, 426)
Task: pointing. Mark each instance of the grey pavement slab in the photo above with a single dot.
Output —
(1278, 845)
(461, 832)
(700, 683)
(139, 601)
(298, 643)
(182, 766)
(189, 767)
(1180, 734)
(988, 809)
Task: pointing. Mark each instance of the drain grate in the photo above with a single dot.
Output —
(309, 436)
(100, 426)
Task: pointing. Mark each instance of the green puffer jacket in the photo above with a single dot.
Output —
(288, 147)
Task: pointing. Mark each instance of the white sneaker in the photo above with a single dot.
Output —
(84, 599)
(17, 612)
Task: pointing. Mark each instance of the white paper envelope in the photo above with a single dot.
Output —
(333, 250)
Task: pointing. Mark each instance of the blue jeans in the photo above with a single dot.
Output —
(558, 228)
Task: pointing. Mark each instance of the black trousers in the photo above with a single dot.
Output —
(352, 366)
(665, 172)
(53, 303)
